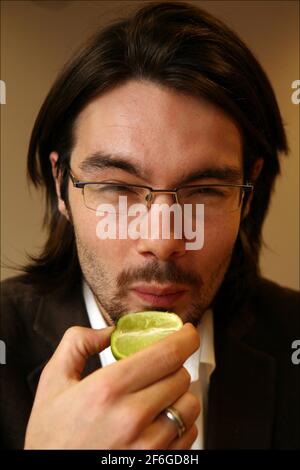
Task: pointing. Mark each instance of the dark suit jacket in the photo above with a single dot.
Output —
(254, 390)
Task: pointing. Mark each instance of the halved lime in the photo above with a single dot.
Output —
(136, 331)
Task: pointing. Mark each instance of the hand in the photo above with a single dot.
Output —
(119, 406)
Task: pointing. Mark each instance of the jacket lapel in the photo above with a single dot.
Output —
(242, 391)
(56, 313)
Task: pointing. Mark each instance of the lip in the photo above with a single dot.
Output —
(163, 297)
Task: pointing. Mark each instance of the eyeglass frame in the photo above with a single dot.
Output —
(77, 183)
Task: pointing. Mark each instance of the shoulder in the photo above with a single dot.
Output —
(275, 302)
(18, 287)
(275, 310)
(270, 291)
(19, 304)
(19, 293)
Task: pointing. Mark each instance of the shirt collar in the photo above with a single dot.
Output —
(203, 357)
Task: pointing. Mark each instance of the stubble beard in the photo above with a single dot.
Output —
(110, 293)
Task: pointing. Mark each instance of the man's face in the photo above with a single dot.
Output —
(166, 137)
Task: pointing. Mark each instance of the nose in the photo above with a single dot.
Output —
(163, 250)
(158, 244)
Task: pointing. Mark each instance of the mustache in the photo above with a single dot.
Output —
(166, 272)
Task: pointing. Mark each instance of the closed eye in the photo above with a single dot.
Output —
(116, 188)
(207, 190)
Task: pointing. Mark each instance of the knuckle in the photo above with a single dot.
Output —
(106, 395)
(131, 422)
(171, 355)
(194, 404)
(73, 333)
(185, 378)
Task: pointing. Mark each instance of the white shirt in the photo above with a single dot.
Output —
(200, 364)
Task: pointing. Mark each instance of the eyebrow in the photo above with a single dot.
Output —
(225, 173)
(102, 160)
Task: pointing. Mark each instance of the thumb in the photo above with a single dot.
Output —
(77, 344)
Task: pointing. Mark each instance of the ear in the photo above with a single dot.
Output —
(254, 175)
(57, 179)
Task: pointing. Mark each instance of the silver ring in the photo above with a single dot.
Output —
(174, 416)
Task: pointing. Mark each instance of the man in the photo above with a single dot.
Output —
(166, 106)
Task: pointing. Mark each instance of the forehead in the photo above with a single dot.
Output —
(162, 130)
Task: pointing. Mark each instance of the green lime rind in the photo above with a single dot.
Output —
(136, 331)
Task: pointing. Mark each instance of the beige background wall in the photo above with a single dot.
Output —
(38, 36)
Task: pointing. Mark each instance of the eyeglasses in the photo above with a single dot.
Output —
(217, 198)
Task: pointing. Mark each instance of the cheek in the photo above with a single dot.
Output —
(109, 251)
(219, 240)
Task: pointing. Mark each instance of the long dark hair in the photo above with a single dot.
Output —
(182, 47)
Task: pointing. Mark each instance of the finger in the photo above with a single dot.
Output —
(77, 344)
(151, 401)
(162, 432)
(154, 362)
(188, 408)
(186, 440)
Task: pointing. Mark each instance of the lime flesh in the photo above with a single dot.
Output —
(136, 331)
